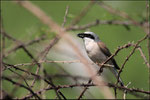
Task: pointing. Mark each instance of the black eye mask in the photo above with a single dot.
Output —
(89, 36)
(82, 35)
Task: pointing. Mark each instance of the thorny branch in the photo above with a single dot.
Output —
(19, 43)
(97, 22)
(143, 56)
(65, 17)
(130, 90)
(148, 33)
(46, 61)
(117, 12)
(62, 30)
(134, 90)
(82, 13)
(23, 46)
(53, 85)
(21, 85)
(127, 58)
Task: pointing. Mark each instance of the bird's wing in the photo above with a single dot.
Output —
(106, 51)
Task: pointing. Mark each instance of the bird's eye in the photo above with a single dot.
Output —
(90, 36)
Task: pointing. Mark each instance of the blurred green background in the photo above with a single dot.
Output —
(22, 25)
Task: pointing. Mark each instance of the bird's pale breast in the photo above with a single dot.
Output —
(93, 51)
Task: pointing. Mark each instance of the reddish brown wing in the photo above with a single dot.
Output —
(106, 51)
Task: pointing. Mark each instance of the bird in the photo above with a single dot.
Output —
(98, 52)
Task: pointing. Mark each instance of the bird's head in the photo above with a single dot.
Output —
(89, 35)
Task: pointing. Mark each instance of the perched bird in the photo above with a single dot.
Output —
(98, 52)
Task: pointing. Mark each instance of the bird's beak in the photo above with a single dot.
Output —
(81, 35)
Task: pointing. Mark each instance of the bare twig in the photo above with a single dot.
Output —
(34, 60)
(130, 90)
(21, 77)
(9, 37)
(117, 12)
(85, 88)
(21, 85)
(103, 22)
(1, 55)
(143, 56)
(131, 53)
(124, 95)
(43, 54)
(53, 76)
(148, 33)
(116, 52)
(20, 44)
(3, 45)
(65, 17)
(25, 71)
(44, 78)
(136, 90)
(47, 61)
(52, 84)
(82, 13)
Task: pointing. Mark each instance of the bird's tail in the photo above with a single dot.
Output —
(114, 71)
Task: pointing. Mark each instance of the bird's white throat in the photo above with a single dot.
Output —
(89, 43)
